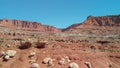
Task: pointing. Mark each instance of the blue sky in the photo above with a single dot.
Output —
(58, 13)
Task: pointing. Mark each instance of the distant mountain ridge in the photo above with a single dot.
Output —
(113, 20)
(92, 22)
(97, 25)
(26, 25)
(98, 21)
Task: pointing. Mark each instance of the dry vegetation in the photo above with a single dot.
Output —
(104, 50)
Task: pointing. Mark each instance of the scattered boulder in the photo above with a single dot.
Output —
(8, 45)
(48, 61)
(73, 65)
(32, 54)
(6, 58)
(32, 61)
(8, 54)
(35, 65)
(68, 59)
(62, 61)
(11, 53)
(88, 64)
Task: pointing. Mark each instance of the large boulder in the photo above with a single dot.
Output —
(35, 65)
(73, 65)
(62, 61)
(88, 64)
(11, 53)
(32, 54)
(48, 61)
(6, 58)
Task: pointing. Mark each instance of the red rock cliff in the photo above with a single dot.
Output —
(103, 21)
(18, 24)
(97, 25)
(100, 21)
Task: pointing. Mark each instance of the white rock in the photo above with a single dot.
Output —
(50, 62)
(32, 61)
(73, 65)
(46, 60)
(88, 64)
(68, 59)
(11, 53)
(62, 61)
(8, 45)
(33, 53)
(35, 65)
(7, 57)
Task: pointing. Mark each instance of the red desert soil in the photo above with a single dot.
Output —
(97, 59)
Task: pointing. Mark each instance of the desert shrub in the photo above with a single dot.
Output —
(0, 65)
(25, 45)
(9, 33)
(93, 48)
(40, 44)
(14, 34)
(103, 42)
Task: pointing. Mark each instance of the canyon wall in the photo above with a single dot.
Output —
(25, 25)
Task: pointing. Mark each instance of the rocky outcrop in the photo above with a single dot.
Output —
(25, 25)
(92, 21)
(102, 21)
(97, 25)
